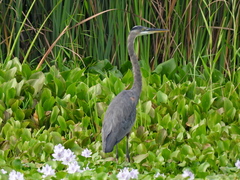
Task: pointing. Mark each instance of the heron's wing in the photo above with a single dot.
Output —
(118, 119)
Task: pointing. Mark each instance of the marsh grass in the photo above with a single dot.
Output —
(188, 113)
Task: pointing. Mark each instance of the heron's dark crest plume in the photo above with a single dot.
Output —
(121, 113)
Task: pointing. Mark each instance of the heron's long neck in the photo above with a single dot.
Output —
(137, 85)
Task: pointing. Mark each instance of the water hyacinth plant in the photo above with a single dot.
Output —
(188, 173)
(62, 63)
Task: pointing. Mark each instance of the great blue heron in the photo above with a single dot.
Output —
(121, 113)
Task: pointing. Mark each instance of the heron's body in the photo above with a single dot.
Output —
(121, 113)
(115, 129)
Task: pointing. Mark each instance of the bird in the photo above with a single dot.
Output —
(121, 113)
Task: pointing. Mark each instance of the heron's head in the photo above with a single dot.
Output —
(141, 30)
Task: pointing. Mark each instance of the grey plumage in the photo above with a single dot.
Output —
(121, 113)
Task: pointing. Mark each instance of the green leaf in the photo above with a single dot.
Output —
(186, 150)
(147, 107)
(26, 71)
(206, 101)
(161, 136)
(161, 97)
(48, 148)
(62, 123)
(17, 164)
(166, 153)
(69, 143)
(167, 67)
(26, 135)
(19, 114)
(71, 89)
(230, 111)
(140, 158)
(141, 149)
(36, 80)
(10, 74)
(118, 86)
(203, 167)
(48, 104)
(54, 114)
(85, 121)
(56, 138)
(40, 112)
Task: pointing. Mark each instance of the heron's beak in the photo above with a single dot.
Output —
(152, 31)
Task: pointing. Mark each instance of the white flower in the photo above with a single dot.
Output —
(47, 171)
(64, 155)
(237, 164)
(159, 174)
(188, 173)
(73, 167)
(86, 169)
(68, 157)
(86, 153)
(125, 174)
(58, 152)
(134, 173)
(3, 171)
(14, 175)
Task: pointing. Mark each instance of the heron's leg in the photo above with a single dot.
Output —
(127, 148)
(117, 152)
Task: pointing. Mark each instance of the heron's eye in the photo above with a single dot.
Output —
(136, 28)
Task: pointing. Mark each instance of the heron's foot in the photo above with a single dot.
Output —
(116, 159)
(127, 158)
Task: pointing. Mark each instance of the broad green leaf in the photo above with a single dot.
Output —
(17, 164)
(147, 106)
(19, 87)
(69, 143)
(16, 63)
(229, 109)
(161, 136)
(128, 77)
(141, 149)
(56, 138)
(48, 104)
(75, 75)
(118, 86)
(86, 121)
(166, 153)
(235, 129)
(60, 86)
(26, 71)
(186, 150)
(166, 67)
(166, 121)
(26, 134)
(180, 137)
(36, 80)
(161, 97)
(54, 114)
(72, 89)
(40, 112)
(48, 148)
(62, 123)
(10, 74)
(95, 90)
(19, 114)
(203, 167)
(206, 101)
(214, 118)
(46, 94)
(140, 158)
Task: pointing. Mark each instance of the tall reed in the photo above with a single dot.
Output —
(203, 33)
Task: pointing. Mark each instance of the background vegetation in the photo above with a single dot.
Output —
(189, 110)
